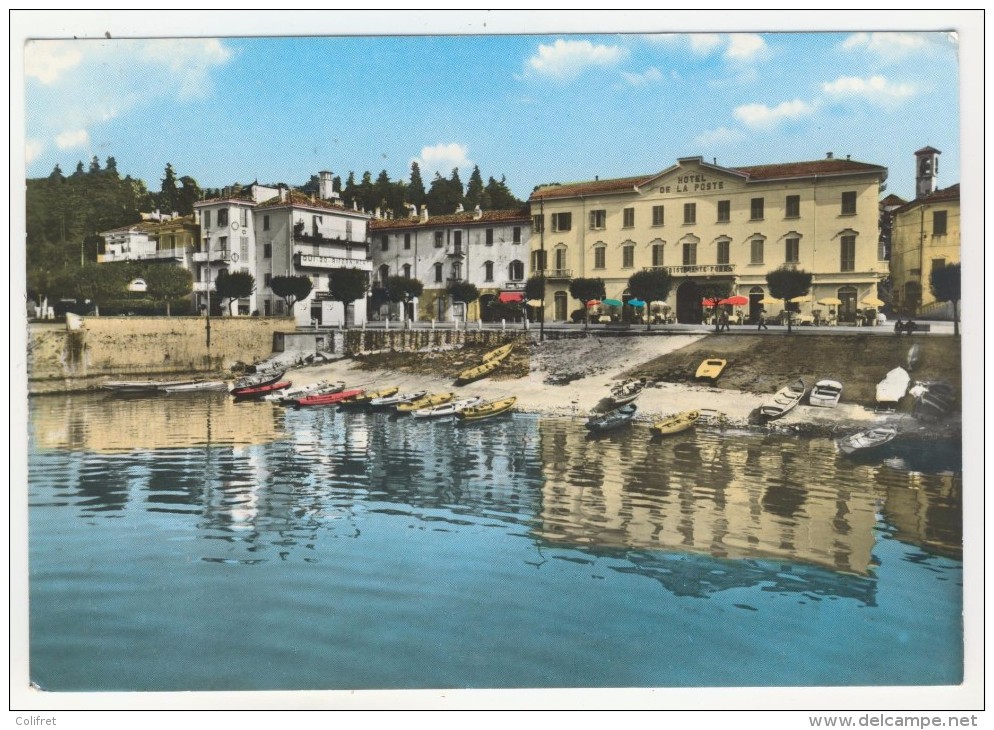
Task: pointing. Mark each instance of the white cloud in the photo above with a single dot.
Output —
(567, 59)
(745, 47)
(704, 43)
(32, 149)
(760, 116)
(73, 138)
(651, 75)
(876, 89)
(887, 46)
(47, 60)
(719, 136)
(442, 158)
(191, 61)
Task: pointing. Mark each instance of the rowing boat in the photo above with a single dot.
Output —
(293, 394)
(329, 399)
(676, 423)
(613, 419)
(259, 379)
(194, 387)
(711, 369)
(477, 371)
(864, 440)
(447, 409)
(500, 353)
(486, 410)
(428, 401)
(397, 399)
(260, 390)
(367, 397)
(783, 400)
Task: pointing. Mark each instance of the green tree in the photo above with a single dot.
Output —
(168, 198)
(188, 194)
(416, 189)
(347, 286)
(497, 196)
(586, 290)
(400, 289)
(233, 285)
(99, 283)
(474, 188)
(945, 283)
(168, 283)
(649, 286)
(463, 291)
(535, 287)
(292, 289)
(786, 283)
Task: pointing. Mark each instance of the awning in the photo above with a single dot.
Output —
(510, 296)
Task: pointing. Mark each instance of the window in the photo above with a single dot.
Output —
(690, 212)
(657, 254)
(657, 215)
(438, 273)
(384, 243)
(562, 222)
(938, 264)
(488, 270)
(244, 248)
(939, 223)
(207, 219)
(222, 218)
(516, 235)
(793, 206)
(723, 252)
(599, 259)
(457, 271)
(756, 209)
(439, 239)
(756, 256)
(407, 271)
(265, 222)
(407, 241)
(724, 211)
(267, 279)
(627, 257)
(538, 260)
(792, 250)
(243, 215)
(560, 259)
(538, 224)
(628, 218)
(207, 245)
(690, 254)
(222, 241)
(882, 243)
(348, 230)
(849, 203)
(598, 218)
(516, 270)
(457, 240)
(848, 254)
(490, 236)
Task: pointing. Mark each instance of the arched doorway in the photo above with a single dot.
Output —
(688, 303)
(756, 293)
(561, 302)
(847, 310)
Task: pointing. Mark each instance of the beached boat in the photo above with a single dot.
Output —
(711, 369)
(367, 397)
(499, 354)
(825, 394)
(261, 390)
(477, 371)
(865, 440)
(292, 394)
(142, 386)
(329, 399)
(447, 409)
(625, 392)
(893, 387)
(257, 380)
(613, 419)
(783, 400)
(196, 386)
(676, 423)
(428, 401)
(933, 400)
(486, 410)
(914, 356)
(397, 398)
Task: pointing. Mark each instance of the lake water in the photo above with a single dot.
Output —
(194, 543)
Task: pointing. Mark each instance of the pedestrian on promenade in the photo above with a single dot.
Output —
(762, 320)
(724, 322)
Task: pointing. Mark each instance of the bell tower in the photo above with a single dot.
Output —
(927, 167)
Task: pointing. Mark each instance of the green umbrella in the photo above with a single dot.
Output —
(637, 303)
(611, 302)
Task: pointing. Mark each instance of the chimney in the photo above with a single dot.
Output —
(477, 213)
(424, 213)
(459, 208)
(379, 213)
(828, 155)
(848, 157)
(282, 195)
(414, 210)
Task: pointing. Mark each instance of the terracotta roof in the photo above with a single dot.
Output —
(467, 218)
(927, 149)
(296, 198)
(588, 187)
(892, 200)
(144, 226)
(945, 195)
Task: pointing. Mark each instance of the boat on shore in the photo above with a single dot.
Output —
(893, 388)
(486, 410)
(397, 399)
(367, 397)
(711, 369)
(299, 391)
(329, 399)
(613, 419)
(866, 440)
(675, 424)
(142, 386)
(258, 391)
(625, 392)
(478, 371)
(428, 401)
(825, 394)
(257, 380)
(447, 409)
(500, 353)
(783, 400)
(196, 386)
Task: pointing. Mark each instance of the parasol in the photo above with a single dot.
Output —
(802, 299)
(769, 300)
(830, 301)
(736, 301)
(534, 302)
(637, 303)
(873, 302)
(611, 302)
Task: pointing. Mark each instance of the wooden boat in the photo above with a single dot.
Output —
(825, 394)
(613, 419)
(447, 409)
(329, 399)
(199, 385)
(933, 400)
(261, 390)
(783, 400)
(711, 369)
(625, 392)
(477, 371)
(367, 397)
(676, 423)
(428, 401)
(142, 386)
(893, 387)
(499, 354)
(865, 440)
(486, 410)
(291, 395)
(257, 380)
(397, 399)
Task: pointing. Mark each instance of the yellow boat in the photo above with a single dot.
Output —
(487, 410)
(711, 368)
(499, 354)
(367, 396)
(429, 401)
(478, 371)
(675, 423)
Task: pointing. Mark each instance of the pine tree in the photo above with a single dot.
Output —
(416, 194)
(168, 199)
(474, 189)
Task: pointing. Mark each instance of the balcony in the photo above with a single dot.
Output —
(557, 273)
(311, 261)
(165, 254)
(455, 252)
(454, 279)
(695, 269)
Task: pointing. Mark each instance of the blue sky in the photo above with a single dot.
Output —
(548, 107)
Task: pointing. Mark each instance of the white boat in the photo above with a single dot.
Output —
(784, 400)
(299, 391)
(624, 393)
(893, 387)
(142, 386)
(447, 409)
(826, 394)
(393, 400)
(864, 440)
(194, 387)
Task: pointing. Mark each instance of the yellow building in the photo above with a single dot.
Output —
(925, 235)
(706, 223)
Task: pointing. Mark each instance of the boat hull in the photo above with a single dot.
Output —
(261, 390)
(484, 411)
(676, 423)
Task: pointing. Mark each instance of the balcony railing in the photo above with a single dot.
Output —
(455, 252)
(311, 261)
(695, 269)
(164, 254)
(454, 279)
(557, 273)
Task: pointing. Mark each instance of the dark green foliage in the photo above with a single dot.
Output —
(167, 283)
(348, 285)
(585, 290)
(786, 283)
(463, 291)
(535, 287)
(291, 288)
(650, 286)
(416, 189)
(233, 285)
(401, 289)
(945, 283)
(474, 189)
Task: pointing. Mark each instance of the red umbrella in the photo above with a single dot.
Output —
(736, 301)
(710, 302)
(593, 302)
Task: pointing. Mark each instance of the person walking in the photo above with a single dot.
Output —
(724, 322)
(762, 320)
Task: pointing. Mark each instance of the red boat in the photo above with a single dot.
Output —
(328, 399)
(260, 390)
